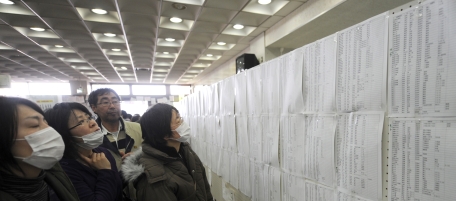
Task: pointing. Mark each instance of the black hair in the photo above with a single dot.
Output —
(9, 128)
(124, 114)
(58, 118)
(93, 97)
(129, 116)
(135, 118)
(156, 124)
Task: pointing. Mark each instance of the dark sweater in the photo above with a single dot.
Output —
(94, 185)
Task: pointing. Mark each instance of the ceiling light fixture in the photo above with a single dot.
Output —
(264, 2)
(209, 55)
(123, 67)
(109, 34)
(99, 11)
(170, 39)
(59, 46)
(115, 50)
(6, 2)
(238, 26)
(175, 20)
(37, 29)
(165, 52)
(179, 6)
(221, 43)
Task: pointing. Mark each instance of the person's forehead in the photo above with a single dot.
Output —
(26, 111)
(108, 95)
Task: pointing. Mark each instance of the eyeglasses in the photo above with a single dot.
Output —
(107, 103)
(82, 122)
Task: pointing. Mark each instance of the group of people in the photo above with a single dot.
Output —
(129, 117)
(65, 154)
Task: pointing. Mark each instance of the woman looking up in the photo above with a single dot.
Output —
(29, 155)
(91, 168)
(166, 168)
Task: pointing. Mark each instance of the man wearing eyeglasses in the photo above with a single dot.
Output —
(121, 137)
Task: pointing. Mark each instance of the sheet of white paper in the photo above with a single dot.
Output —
(244, 175)
(292, 187)
(358, 152)
(361, 66)
(147, 98)
(319, 75)
(270, 87)
(257, 181)
(256, 137)
(228, 133)
(292, 128)
(140, 98)
(242, 136)
(153, 100)
(319, 144)
(314, 191)
(225, 164)
(270, 144)
(234, 170)
(227, 96)
(422, 60)
(209, 176)
(422, 163)
(254, 91)
(291, 97)
(240, 91)
(272, 177)
(342, 195)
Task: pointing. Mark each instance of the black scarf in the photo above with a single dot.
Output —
(25, 189)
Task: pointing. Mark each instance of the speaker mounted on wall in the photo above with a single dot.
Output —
(246, 61)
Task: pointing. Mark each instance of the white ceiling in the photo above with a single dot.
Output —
(141, 27)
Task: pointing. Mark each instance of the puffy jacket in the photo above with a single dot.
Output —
(159, 176)
(58, 181)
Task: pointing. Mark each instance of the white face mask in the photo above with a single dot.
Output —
(184, 131)
(47, 146)
(91, 141)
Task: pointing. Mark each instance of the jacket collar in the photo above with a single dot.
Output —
(122, 125)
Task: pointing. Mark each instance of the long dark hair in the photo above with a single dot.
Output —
(156, 124)
(58, 118)
(8, 129)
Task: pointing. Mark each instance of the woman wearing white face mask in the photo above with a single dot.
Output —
(166, 168)
(29, 155)
(92, 169)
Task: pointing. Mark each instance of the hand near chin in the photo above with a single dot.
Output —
(97, 161)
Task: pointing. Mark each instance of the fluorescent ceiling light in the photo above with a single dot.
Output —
(115, 50)
(6, 2)
(209, 55)
(170, 39)
(264, 2)
(175, 20)
(37, 29)
(99, 11)
(165, 52)
(123, 67)
(238, 26)
(59, 46)
(221, 43)
(109, 34)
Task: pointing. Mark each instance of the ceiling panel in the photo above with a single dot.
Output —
(132, 41)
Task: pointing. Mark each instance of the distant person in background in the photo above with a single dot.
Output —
(128, 117)
(166, 168)
(125, 115)
(91, 168)
(136, 118)
(29, 155)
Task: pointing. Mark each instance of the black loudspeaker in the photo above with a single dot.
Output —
(245, 62)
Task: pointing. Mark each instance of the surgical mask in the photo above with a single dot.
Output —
(47, 146)
(184, 131)
(91, 141)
